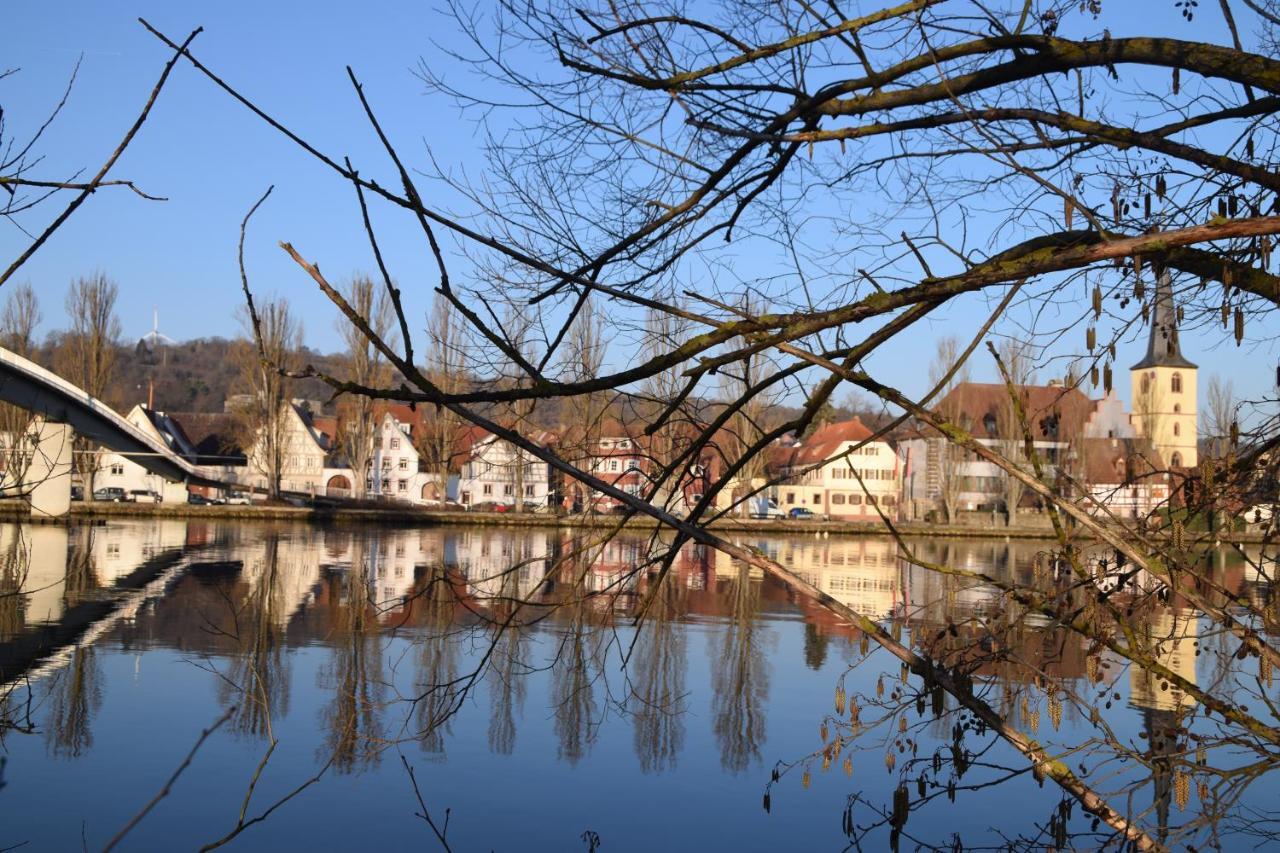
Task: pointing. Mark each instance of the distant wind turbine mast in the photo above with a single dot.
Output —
(152, 349)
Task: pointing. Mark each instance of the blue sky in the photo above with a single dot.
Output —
(212, 159)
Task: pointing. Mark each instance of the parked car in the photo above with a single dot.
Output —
(197, 500)
(238, 499)
(143, 496)
(803, 513)
(110, 494)
(491, 506)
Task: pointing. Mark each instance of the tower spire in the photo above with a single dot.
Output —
(1163, 349)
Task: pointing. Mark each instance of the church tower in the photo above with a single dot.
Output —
(1164, 387)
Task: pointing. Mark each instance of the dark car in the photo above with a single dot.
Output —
(198, 500)
(803, 513)
(112, 494)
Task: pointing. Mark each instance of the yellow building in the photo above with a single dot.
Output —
(1164, 387)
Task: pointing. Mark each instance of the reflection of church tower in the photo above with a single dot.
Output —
(1173, 640)
(1164, 386)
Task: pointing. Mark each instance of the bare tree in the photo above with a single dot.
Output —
(1019, 367)
(87, 355)
(945, 461)
(18, 322)
(264, 417)
(1222, 412)
(445, 367)
(365, 366)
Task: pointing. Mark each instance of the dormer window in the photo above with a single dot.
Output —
(989, 423)
(1175, 383)
(624, 442)
(606, 443)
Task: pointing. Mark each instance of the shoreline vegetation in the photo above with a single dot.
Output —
(417, 517)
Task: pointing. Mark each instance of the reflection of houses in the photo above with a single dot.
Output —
(819, 473)
(115, 470)
(490, 472)
(862, 573)
(497, 563)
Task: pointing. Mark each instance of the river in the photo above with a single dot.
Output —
(503, 674)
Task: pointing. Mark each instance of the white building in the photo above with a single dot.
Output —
(819, 473)
(489, 472)
(115, 470)
(307, 452)
(396, 470)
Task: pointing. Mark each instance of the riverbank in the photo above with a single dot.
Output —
(417, 517)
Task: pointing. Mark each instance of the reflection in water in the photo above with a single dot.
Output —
(408, 632)
(259, 682)
(740, 675)
(352, 720)
(659, 661)
(75, 696)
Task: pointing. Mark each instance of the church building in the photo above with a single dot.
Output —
(1164, 387)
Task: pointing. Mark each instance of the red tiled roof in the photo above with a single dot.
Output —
(1055, 412)
(825, 442)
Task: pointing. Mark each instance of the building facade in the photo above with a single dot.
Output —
(1164, 387)
(839, 471)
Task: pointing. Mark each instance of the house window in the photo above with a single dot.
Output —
(624, 442)
(1177, 408)
(386, 463)
(1177, 430)
(1146, 383)
(613, 464)
(508, 490)
(854, 500)
(1176, 460)
(791, 497)
(368, 484)
(606, 443)
(466, 497)
(528, 491)
(402, 485)
(117, 469)
(888, 500)
(395, 444)
(386, 483)
(871, 499)
(404, 464)
(837, 499)
(486, 489)
(1175, 383)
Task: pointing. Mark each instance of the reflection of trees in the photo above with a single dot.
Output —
(353, 719)
(259, 678)
(573, 691)
(13, 573)
(76, 693)
(740, 678)
(506, 679)
(438, 661)
(815, 646)
(82, 576)
(658, 665)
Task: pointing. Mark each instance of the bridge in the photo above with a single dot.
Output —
(64, 410)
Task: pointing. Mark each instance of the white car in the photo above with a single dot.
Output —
(239, 499)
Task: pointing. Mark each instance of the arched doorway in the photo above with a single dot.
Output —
(338, 486)
(431, 492)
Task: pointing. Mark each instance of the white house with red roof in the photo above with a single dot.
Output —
(116, 470)
(822, 473)
(489, 471)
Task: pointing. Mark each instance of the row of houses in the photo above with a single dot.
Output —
(844, 470)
